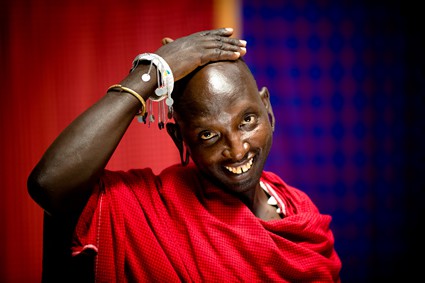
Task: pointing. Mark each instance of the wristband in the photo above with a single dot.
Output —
(165, 81)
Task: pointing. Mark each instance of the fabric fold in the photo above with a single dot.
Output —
(174, 227)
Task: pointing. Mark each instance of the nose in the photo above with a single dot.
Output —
(236, 148)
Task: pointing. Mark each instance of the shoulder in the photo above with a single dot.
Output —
(179, 172)
(174, 174)
(178, 178)
(113, 178)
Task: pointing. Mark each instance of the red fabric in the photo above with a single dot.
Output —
(58, 58)
(177, 227)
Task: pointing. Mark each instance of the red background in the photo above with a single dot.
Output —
(58, 58)
(347, 85)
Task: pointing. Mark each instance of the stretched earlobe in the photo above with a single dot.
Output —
(184, 158)
(173, 131)
(265, 97)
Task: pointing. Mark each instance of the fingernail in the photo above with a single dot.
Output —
(228, 29)
(243, 42)
(237, 53)
(244, 49)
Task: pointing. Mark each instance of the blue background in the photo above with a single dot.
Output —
(347, 85)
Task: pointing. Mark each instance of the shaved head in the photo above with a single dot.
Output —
(216, 82)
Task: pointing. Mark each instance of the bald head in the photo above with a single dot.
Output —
(216, 83)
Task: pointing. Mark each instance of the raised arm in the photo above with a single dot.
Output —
(62, 180)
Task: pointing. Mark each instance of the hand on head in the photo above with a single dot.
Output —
(187, 53)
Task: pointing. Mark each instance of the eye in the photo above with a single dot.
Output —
(207, 135)
(249, 120)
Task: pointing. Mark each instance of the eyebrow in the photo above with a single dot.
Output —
(251, 109)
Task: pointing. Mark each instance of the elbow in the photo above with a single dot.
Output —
(39, 191)
(57, 194)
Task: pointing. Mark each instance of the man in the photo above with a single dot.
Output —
(218, 218)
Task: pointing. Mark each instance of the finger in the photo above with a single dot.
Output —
(218, 37)
(220, 31)
(227, 44)
(232, 41)
(166, 40)
(231, 49)
(219, 55)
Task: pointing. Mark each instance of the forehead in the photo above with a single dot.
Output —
(217, 87)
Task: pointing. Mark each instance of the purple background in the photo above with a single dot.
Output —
(347, 85)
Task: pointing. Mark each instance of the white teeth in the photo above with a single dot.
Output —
(240, 169)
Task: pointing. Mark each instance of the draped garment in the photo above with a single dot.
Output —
(178, 227)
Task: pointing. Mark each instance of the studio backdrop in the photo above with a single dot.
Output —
(346, 80)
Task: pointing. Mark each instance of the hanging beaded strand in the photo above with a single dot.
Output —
(151, 116)
(165, 85)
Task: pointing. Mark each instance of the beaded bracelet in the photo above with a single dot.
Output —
(165, 80)
(142, 111)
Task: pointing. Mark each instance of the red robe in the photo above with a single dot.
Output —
(177, 227)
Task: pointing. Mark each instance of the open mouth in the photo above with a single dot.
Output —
(240, 169)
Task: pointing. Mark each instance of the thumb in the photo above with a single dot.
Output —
(166, 40)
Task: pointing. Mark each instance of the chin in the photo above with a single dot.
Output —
(246, 185)
(241, 183)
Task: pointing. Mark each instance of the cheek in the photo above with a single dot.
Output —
(203, 157)
(268, 138)
(261, 137)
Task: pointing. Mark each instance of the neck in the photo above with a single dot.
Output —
(256, 201)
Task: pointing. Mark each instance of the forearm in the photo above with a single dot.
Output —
(68, 170)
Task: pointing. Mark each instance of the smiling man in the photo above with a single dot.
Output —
(217, 218)
(225, 124)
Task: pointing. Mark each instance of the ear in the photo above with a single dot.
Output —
(265, 98)
(174, 132)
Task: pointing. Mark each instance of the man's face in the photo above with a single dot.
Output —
(226, 126)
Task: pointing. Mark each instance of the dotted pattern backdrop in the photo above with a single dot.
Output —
(337, 74)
